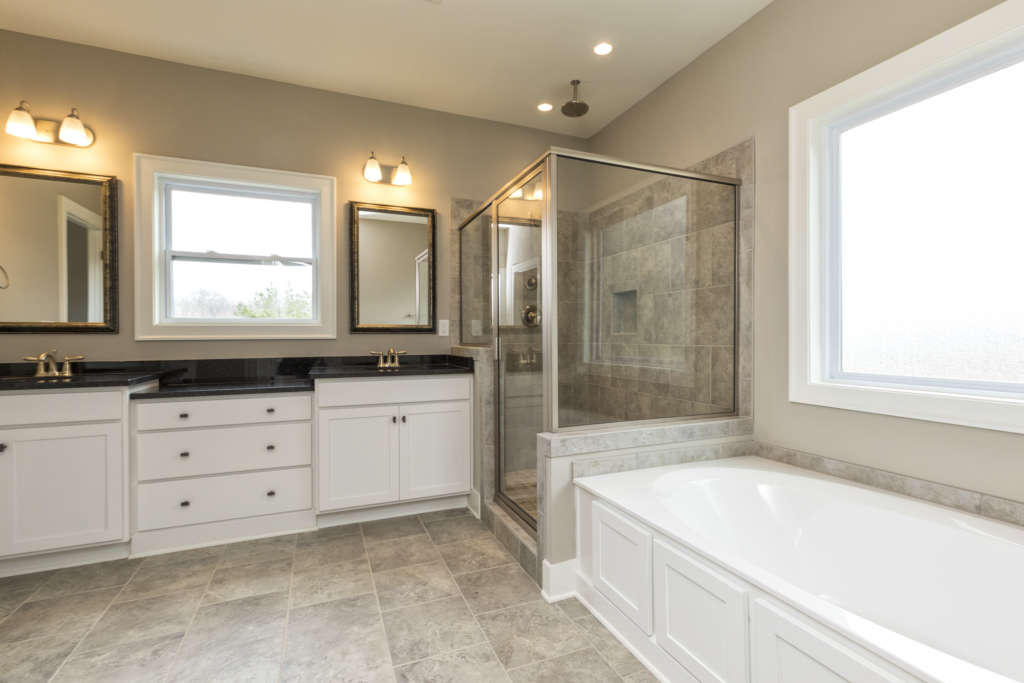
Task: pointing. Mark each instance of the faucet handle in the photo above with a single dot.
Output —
(380, 359)
(395, 355)
(65, 368)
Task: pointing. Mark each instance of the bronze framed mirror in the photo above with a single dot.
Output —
(58, 251)
(392, 269)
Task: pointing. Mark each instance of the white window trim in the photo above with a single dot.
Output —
(961, 53)
(150, 262)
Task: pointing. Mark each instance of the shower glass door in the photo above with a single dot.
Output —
(519, 321)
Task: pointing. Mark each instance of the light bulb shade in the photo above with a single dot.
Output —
(371, 170)
(402, 174)
(72, 130)
(21, 124)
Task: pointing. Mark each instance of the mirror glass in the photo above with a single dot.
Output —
(55, 235)
(392, 269)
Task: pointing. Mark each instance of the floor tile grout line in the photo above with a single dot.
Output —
(288, 612)
(199, 604)
(487, 638)
(548, 659)
(85, 635)
(376, 596)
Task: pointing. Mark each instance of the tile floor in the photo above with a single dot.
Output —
(432, 597)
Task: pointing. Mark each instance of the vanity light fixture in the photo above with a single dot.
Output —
(545, 106)
(20, 123)
(70, 131)
(402, 174)
(603, 48)
(371, 170)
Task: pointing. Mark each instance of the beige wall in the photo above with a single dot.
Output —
(743, 87)
(137, 104)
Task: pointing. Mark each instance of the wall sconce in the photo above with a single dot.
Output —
(70, 131)
(373, 172)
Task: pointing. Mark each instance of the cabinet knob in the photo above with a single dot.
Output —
(271, 411)
(394, 419)
(183, 416)
(184, 503)
(270, 446)
(403, 418)
(183, 454)
(271, 494)
(3, 447)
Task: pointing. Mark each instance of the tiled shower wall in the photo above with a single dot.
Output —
(646, 304)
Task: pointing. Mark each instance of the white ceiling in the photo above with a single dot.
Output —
(493, 59)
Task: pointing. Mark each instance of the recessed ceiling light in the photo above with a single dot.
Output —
(603, 49)
(545, 106)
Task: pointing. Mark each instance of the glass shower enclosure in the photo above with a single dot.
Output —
(607, 289)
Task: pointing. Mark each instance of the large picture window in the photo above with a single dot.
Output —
(236, 252)
(906, 232)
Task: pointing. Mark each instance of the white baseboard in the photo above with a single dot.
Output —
(214, 533)
(28, 564)
(389, 510)
(559, 580)
(474, 502)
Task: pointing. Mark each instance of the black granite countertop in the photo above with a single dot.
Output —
(224, 376)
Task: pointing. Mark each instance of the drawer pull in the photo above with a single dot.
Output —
(183, 454)
(271, 493)
(394, 419)
(270, 446)
(3, 447)
(184, 503)
(271, 411)
(183, 416)
(403, 418)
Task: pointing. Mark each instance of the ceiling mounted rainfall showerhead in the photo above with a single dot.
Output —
(575, 107)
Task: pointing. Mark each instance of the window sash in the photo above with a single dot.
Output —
(167, 185)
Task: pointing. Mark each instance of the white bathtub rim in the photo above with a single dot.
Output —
(917, 658)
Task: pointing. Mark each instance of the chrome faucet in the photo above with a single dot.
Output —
(46, 364)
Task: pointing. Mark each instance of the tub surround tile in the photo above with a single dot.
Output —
(565, 445)
(661, 457)
(1002, 509)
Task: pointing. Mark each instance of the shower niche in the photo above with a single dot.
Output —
(608, 291)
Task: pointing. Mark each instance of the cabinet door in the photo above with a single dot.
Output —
(700, 616)
(358, 456)
(622, 564)
(61, 486)
(436, 449)
(785, 648)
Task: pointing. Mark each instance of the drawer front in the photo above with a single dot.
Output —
(48, 407)
(622, 564)
(219, 450)
(391, 390)
(212, 499)
(215, 412)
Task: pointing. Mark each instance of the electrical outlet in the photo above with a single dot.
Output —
(442, 328)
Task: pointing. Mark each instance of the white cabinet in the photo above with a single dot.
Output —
(700, 616)
(374, 449)
(435, 448)
(622, 564)
(786, 648)
(358, 456)
(61, 486)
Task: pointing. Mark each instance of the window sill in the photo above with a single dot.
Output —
(171, 332)
(1001, 413)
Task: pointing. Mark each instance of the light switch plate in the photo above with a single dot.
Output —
(442, 328)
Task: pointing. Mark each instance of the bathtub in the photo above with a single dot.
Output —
(802, 576)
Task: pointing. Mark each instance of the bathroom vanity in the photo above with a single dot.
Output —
(129, 460)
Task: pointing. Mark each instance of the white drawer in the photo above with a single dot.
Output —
(42, 406)
(195, 452)
(222, 411)
(377, 390)
(230, 496)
